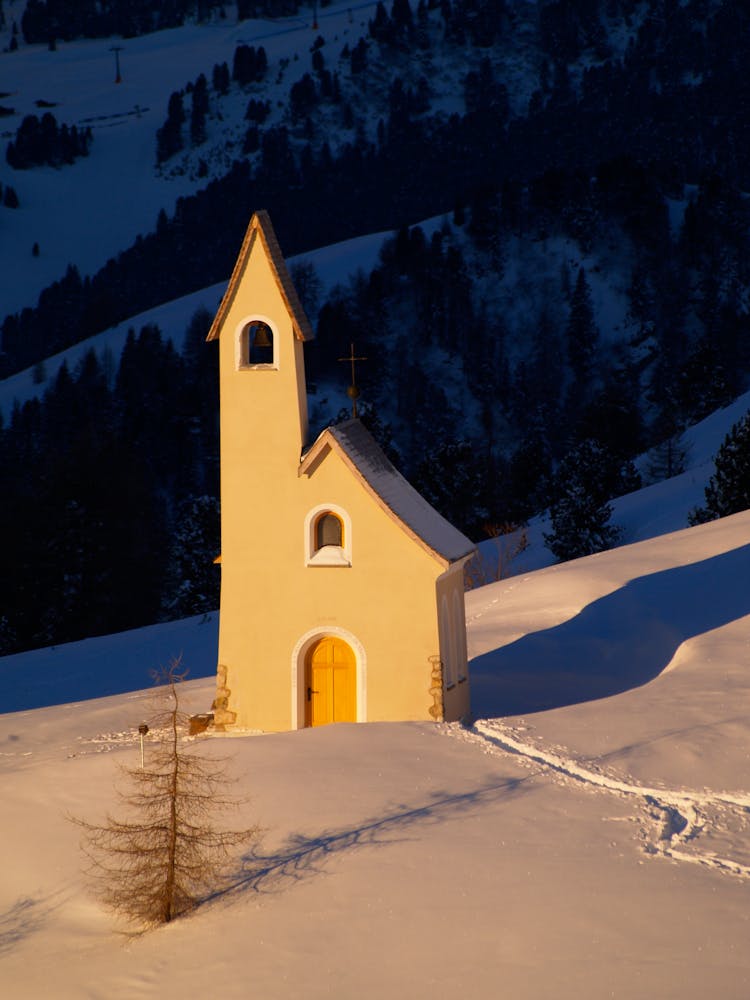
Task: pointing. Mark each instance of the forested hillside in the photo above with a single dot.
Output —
(51, 20)
(581, 298)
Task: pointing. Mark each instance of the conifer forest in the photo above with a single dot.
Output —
(495, 379)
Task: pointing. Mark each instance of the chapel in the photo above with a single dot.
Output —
(342, 596)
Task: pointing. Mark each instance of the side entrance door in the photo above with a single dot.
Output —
(330, 683)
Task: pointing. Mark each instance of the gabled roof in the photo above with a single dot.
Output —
(260, 228)
(366, 459)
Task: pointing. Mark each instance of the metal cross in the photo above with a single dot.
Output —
(353, 392)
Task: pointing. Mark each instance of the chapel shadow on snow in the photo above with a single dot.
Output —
(616, 643)
(304, 856)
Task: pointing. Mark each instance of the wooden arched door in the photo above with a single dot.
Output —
(330, 683)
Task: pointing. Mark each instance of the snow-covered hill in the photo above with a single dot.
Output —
(585, 837)
(595, 848)
(86, 213)
(89, 211)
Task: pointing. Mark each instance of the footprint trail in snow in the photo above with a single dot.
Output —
(679, 817)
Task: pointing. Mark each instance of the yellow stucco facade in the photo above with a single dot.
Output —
(386, 599)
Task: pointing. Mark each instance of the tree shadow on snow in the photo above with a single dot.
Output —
(22, 919)
(616, 643)
(304, 856)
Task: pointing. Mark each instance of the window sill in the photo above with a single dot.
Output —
(329, 555)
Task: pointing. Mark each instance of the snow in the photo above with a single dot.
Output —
(93, 668)
(594, 843)
(600, 847)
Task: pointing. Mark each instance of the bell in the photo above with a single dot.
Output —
(261, 338)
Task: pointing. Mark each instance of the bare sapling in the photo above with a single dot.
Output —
(510, 540)
(168, 854)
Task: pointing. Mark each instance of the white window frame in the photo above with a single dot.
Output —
(329, 555)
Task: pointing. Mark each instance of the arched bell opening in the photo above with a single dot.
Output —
(256, 345)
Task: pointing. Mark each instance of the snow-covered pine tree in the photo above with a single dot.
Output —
(728, 490)
(582, 333)
(586, 481)
(169, 136)
(193, 587)
(198, 111)
(453, 477)
(667, 458)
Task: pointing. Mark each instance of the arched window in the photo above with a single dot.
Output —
(329, 530)
(444, 628)
(328, 537)
(256, 345)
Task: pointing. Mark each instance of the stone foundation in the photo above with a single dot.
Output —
(437, 710)
(222, 715)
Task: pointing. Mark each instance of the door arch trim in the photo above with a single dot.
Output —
(299, 655)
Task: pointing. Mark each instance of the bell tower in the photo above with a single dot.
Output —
(261, 327)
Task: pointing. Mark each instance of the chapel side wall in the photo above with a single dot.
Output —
(450, 595)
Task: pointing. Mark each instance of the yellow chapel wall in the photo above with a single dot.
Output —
(385, 601)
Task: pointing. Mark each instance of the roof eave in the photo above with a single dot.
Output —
(260, 226)
(326, 438)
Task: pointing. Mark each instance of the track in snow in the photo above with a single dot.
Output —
(678, 818)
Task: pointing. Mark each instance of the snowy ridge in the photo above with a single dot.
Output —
(679, 816)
